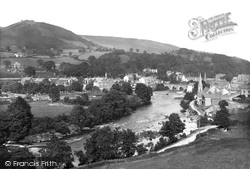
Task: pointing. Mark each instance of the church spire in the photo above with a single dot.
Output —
(200, 86)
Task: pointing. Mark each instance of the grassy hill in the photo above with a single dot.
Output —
(127, 43)
(40, 35)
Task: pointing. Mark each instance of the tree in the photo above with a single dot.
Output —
(89, 86)
(61, 88)
(32, 88)
(105, 144)
(222, 118)
(223, 104)
(58, 151)
(172, 127)
(143, 92)
(16, 87)
(131, 50)
(125, 142)
(137, 50)
(62, 127)
(127, 88)
(16, 154)
(8, 48)
(29, 71)
(116, 104)
(54, 94)
(40, 62)
(17, 119)
(83, 159)
(7, 64)
(81, 117)
(76, 86)
(141, 149)
(91, 58)
(81, 50)
(49, 65)
(100, 146)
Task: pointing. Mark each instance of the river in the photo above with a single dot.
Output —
(146, 117)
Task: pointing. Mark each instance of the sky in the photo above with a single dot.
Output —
(158, 20)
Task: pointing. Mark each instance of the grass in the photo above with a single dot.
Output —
(6, 54)
(22, 61)
(127, 43)
(4, 74)
(32, 61)
(214, 150)
(43, 108)
(85, 56)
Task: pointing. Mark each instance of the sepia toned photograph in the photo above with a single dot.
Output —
(122, 84)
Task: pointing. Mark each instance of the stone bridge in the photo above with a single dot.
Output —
(176, 86)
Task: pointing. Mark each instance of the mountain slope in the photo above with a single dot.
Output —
(39, 35)
(127, 43)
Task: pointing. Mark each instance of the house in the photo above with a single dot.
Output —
(190, 87)
(63, 81)
(221, 84)
(143, 80)
(244, 78)
(245, 90)
(212, 99)
(26, 80)
(128, 78)
(17, 65)
(148, 70)
(38, 80)
(219, 76)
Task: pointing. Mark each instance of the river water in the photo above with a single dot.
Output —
(144, 118)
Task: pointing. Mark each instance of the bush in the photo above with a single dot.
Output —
(66, 99)
(160, 144)
(141, 149)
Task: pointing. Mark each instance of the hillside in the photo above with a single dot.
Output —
(127, 43)
(214, 149)
(40, 35)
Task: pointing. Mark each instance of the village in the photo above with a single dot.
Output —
(219, 88)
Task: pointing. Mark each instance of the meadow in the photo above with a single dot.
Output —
(45, 108)
(85, 56)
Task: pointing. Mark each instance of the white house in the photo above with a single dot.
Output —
(245, 90)
(17, 65)
(190, 87)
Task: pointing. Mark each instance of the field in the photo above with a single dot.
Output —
(127, 43)
(6, 54)
(4, 74)
(22, 61)
(214, 150)
(96, 54)
(44, 108)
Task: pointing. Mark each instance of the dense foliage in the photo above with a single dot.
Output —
(59, 152)
(144, 92)
(105, 144)
(172, 127)
(29, 71)
(115, 65)
(15, 122)
(222, 116)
